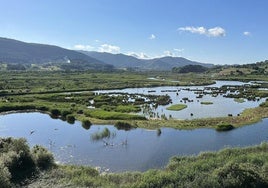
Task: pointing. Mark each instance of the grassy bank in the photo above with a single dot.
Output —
(236, 167)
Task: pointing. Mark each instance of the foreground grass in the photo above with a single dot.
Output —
(236, 167)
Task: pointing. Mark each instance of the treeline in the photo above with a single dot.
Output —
(190, 68)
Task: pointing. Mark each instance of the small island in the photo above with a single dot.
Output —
(177, 107)
(206, 102)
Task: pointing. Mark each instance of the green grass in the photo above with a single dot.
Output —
(177, 107)
(106, 115)
(206, 102)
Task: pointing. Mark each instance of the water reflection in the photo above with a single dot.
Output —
(137, 149)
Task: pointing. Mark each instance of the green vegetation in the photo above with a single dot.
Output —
(190, 68)
(177, 107)
(120, 125)
(86, 124)
(236, 167)
(206, 102)
(224, 127)
(106, 115)
(239, 100)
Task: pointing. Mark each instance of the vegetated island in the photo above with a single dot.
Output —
(206, 102)
(177, 107)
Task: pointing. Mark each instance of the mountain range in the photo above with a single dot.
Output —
(126, 61)
(18, 52)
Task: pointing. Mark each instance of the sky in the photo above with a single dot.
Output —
(209, 31)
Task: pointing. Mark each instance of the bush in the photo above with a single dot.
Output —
(239, 175)
(224, 127)
(64, 113)
(86, 124)
(42, 157)
(16, 157)
(55, 112)
(120, 125)
(70, 119)
(5, 176)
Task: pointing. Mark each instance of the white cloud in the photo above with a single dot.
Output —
(212, 32)
(109, 48)
(246, 33)
(168, 53)
(152, 37)
(178, 50)
(216, 32)
(199, 30)
(140, 55)
(83, 47)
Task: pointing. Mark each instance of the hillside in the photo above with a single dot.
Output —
(17, 52)
(125, 61)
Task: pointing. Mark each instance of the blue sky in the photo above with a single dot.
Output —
(209, 31)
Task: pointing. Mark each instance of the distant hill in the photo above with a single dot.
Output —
(125, 61)
(117, 60)
(17, 52)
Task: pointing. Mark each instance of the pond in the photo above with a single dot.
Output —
(135, 150)
(221, 106)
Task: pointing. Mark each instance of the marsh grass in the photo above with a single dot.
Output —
(105, 133)
(177, 107)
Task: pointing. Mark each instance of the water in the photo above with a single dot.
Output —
(72, 144)
(221, 106)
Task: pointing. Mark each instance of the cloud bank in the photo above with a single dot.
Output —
(211, 32)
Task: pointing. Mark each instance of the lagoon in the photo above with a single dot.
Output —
(145, 149)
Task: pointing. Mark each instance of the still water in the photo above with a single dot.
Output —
(72, 144)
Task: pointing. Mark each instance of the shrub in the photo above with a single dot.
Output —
(64, 113)
(70, 119)
(16, 157)
(224, 127)
(5, 176)
(55, 112)
(86, 124)
(120, 125)
(42, 157)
